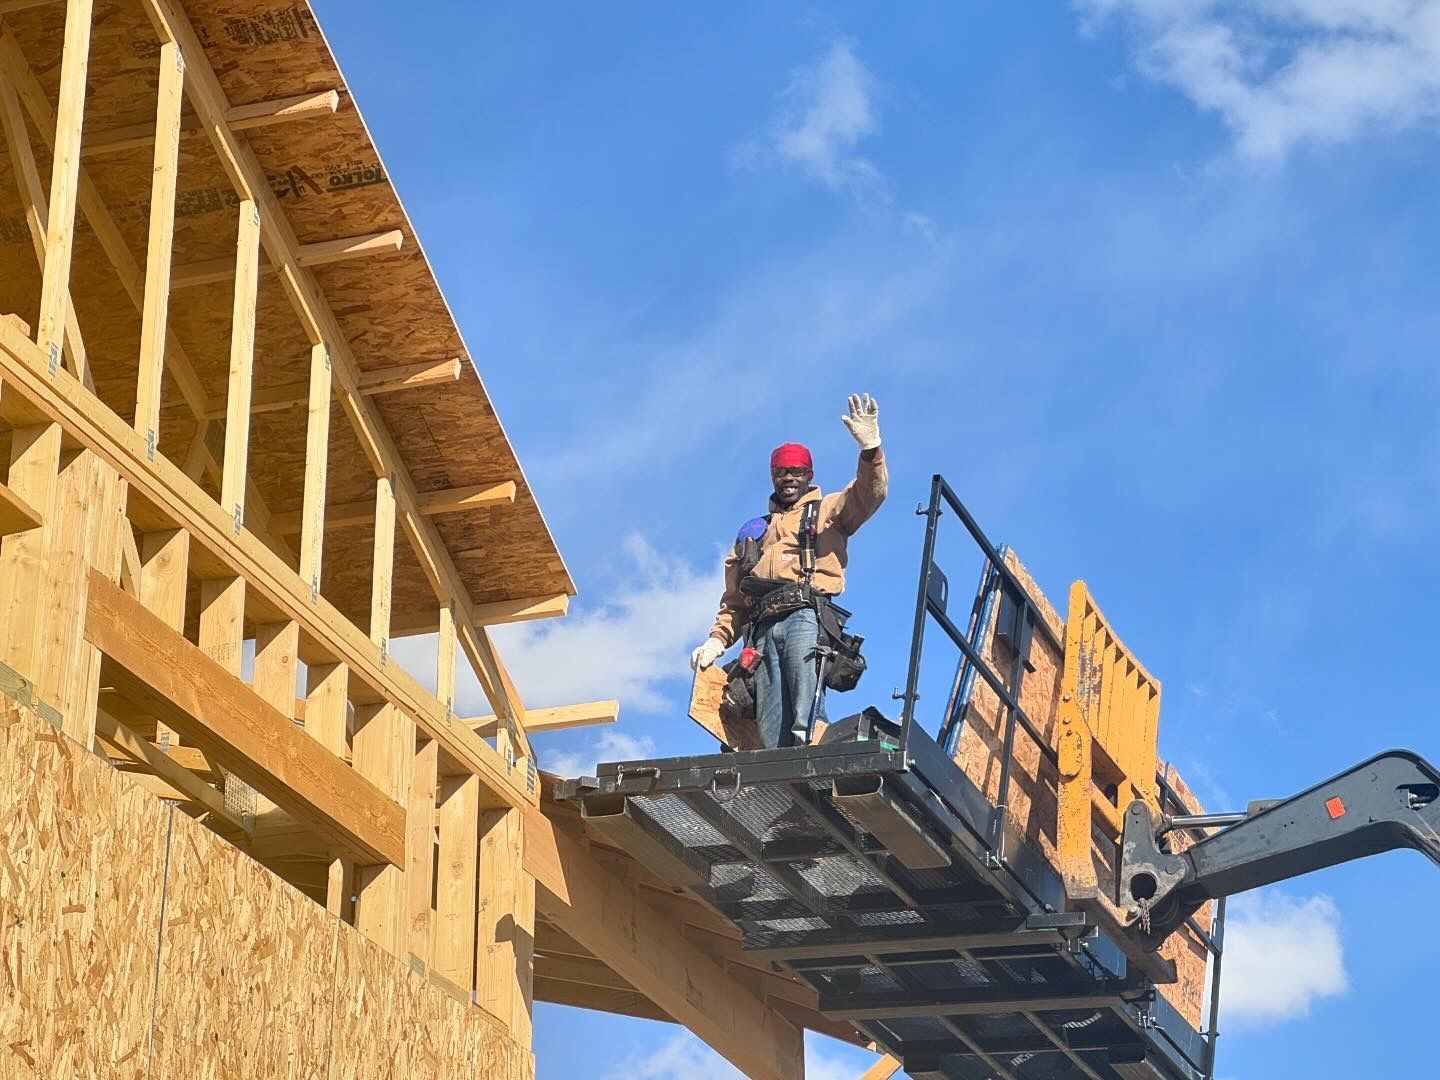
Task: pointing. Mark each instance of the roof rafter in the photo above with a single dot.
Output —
(322, 326)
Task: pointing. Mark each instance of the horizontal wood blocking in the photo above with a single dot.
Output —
(215, 271)
(16, 515)
(88, 422)
(388, 380)
(523, 609)
(240, 117)
(154, 666)
(554, 719)
(447, 501)
(145, 753)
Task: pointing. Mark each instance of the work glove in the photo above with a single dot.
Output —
(706, 654)
(863, 421)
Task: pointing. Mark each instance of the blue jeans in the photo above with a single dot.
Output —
(786, 679)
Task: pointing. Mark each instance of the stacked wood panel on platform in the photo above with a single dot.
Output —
(253, 978)
(1032, 798)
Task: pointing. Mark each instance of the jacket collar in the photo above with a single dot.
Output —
(813, 495)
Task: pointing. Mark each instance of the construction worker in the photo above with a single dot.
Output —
(782, 572)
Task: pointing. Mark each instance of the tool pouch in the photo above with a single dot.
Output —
(846, 664)
(737, 700)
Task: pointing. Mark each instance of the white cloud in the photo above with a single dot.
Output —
(1282, 73)
(684, 1057)
(680, 1057)
(626, 648)
(609, 746)
(1281, 955)
(825, 112)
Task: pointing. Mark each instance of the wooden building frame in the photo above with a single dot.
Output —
(201, 256)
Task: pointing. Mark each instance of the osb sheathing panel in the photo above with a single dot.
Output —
(331, 183)
(436, 1035)
(254, 980)
(245, 983)
(1033, 781)
(81, 857)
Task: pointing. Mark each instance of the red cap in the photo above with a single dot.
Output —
(791, 456)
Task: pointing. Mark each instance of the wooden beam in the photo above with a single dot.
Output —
(88, 514)
(277, 649)
(510, 737)
(222, 621)
(446, 649)
(554, 719)
(37, 213)
(107, 232)
(387, 380)
(159, 670)
(154, 320)
(164, 574)
(384, 751)
(34, 476)
(601, 911)
(16, 513)
(163, 585)
(382, 568)
(327, 722)
(177, 363)
(242, 364)
(420, 850)
(322, 253)
(239, 118)
(456, 886)
(524, 609)
(321, 324)
(129, 560)
(397, 377)
(579, 996)
(447, 501)
(282, 110)
(146, 753)
(317, 467)
(505, 917)
(883, 1069)
(64, 179)
(89, 422)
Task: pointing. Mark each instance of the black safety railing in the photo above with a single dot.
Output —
(932, 602)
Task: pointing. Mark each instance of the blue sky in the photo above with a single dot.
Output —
(1150, 281)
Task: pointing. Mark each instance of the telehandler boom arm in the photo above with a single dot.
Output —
(1390, 801)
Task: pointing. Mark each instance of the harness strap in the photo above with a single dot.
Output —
(808, 518)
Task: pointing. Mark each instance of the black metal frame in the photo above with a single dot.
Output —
(989, 861)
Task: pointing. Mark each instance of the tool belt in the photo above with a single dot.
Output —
(838, 653)
(772, 600)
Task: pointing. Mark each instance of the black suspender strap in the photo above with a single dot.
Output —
(809, 516)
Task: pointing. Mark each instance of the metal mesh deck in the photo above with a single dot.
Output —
(968, 969)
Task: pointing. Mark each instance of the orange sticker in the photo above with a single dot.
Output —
(1334, 807)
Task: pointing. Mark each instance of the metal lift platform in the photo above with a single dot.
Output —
(875, 870)
(967, 967)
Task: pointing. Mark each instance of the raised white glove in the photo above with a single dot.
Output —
(706, 654)
(863, 421)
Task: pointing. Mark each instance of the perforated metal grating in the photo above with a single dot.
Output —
(789, 864)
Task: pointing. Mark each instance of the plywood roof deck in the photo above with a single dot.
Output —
(332, 184)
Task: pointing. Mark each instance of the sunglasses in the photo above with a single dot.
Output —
(796, 473)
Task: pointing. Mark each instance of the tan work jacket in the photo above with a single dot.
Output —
(841, 515)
